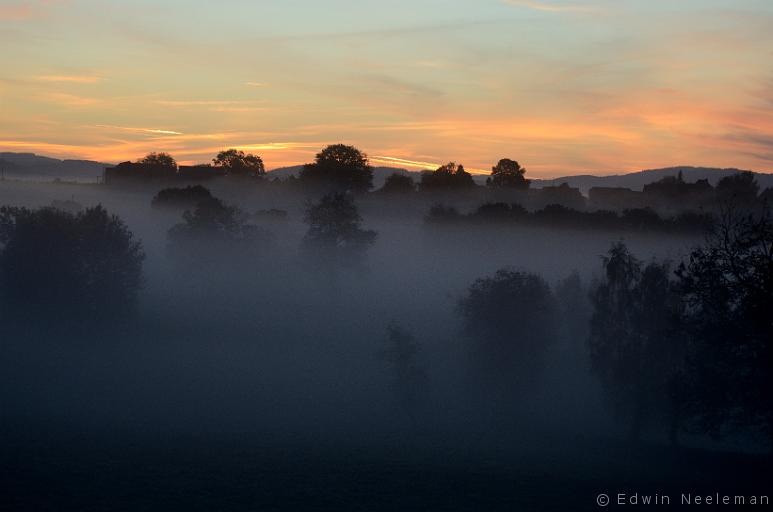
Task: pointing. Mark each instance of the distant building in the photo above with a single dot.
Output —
(562, 194)
(133, 173)
(130, 173)
(199, 172)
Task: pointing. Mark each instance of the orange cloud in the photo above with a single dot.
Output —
(70, 79)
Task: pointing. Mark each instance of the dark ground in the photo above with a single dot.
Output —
(114, 471)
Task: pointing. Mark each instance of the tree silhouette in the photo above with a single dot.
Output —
(340, 167)
(68, 266)
(180, 198)
(508, 174)
(397, 183)
(334, 230)
(740, 188)
(160, 159)
(727, 285)
(510, 319)
(212, 229)
(236, 163)
(409, 377)
(446, 177)
(635, 345)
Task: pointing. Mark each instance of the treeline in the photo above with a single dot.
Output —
(684, 347)
(347, 169)
(559, 216)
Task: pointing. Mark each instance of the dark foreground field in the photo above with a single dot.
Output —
(78, 470)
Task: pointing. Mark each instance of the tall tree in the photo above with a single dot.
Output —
(446, 177)
(740, 188)
(335, 231)
(508, 174)
(215, 226)
(409, 377)
(341, 168)
(635, 346)
(237, 163)
(160, 159)
(75, 266)
(727, 285)
(510, 319)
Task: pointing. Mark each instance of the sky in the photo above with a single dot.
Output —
(564, 87)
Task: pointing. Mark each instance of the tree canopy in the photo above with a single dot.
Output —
(56, 264)
(237, 163)
(727, 287)
(212, 228)
(446, 177)
(635, 346)
(340, 167)
(740, 188)
(334, 229)
(397, 183)
(510, 319)
(508, 174)
(161, 159)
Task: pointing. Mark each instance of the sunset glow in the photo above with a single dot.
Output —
(565, 87)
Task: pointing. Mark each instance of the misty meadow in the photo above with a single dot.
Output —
(221, 338)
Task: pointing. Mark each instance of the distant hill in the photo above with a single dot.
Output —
(34, 167)
(637, 180)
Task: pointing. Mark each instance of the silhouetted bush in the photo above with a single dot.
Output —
(68, 205)
(500, 212)
(180, 198)
(440, 214)
(556, 215)
(59, 266)
(272, 214)
(641, 218)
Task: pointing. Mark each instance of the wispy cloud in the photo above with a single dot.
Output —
(196, 103)
(69, 79)
(71, 100)
(238, 109)
(256, 84)
(415, 164)
(390, 160)
(549, 7)
(151, 131)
